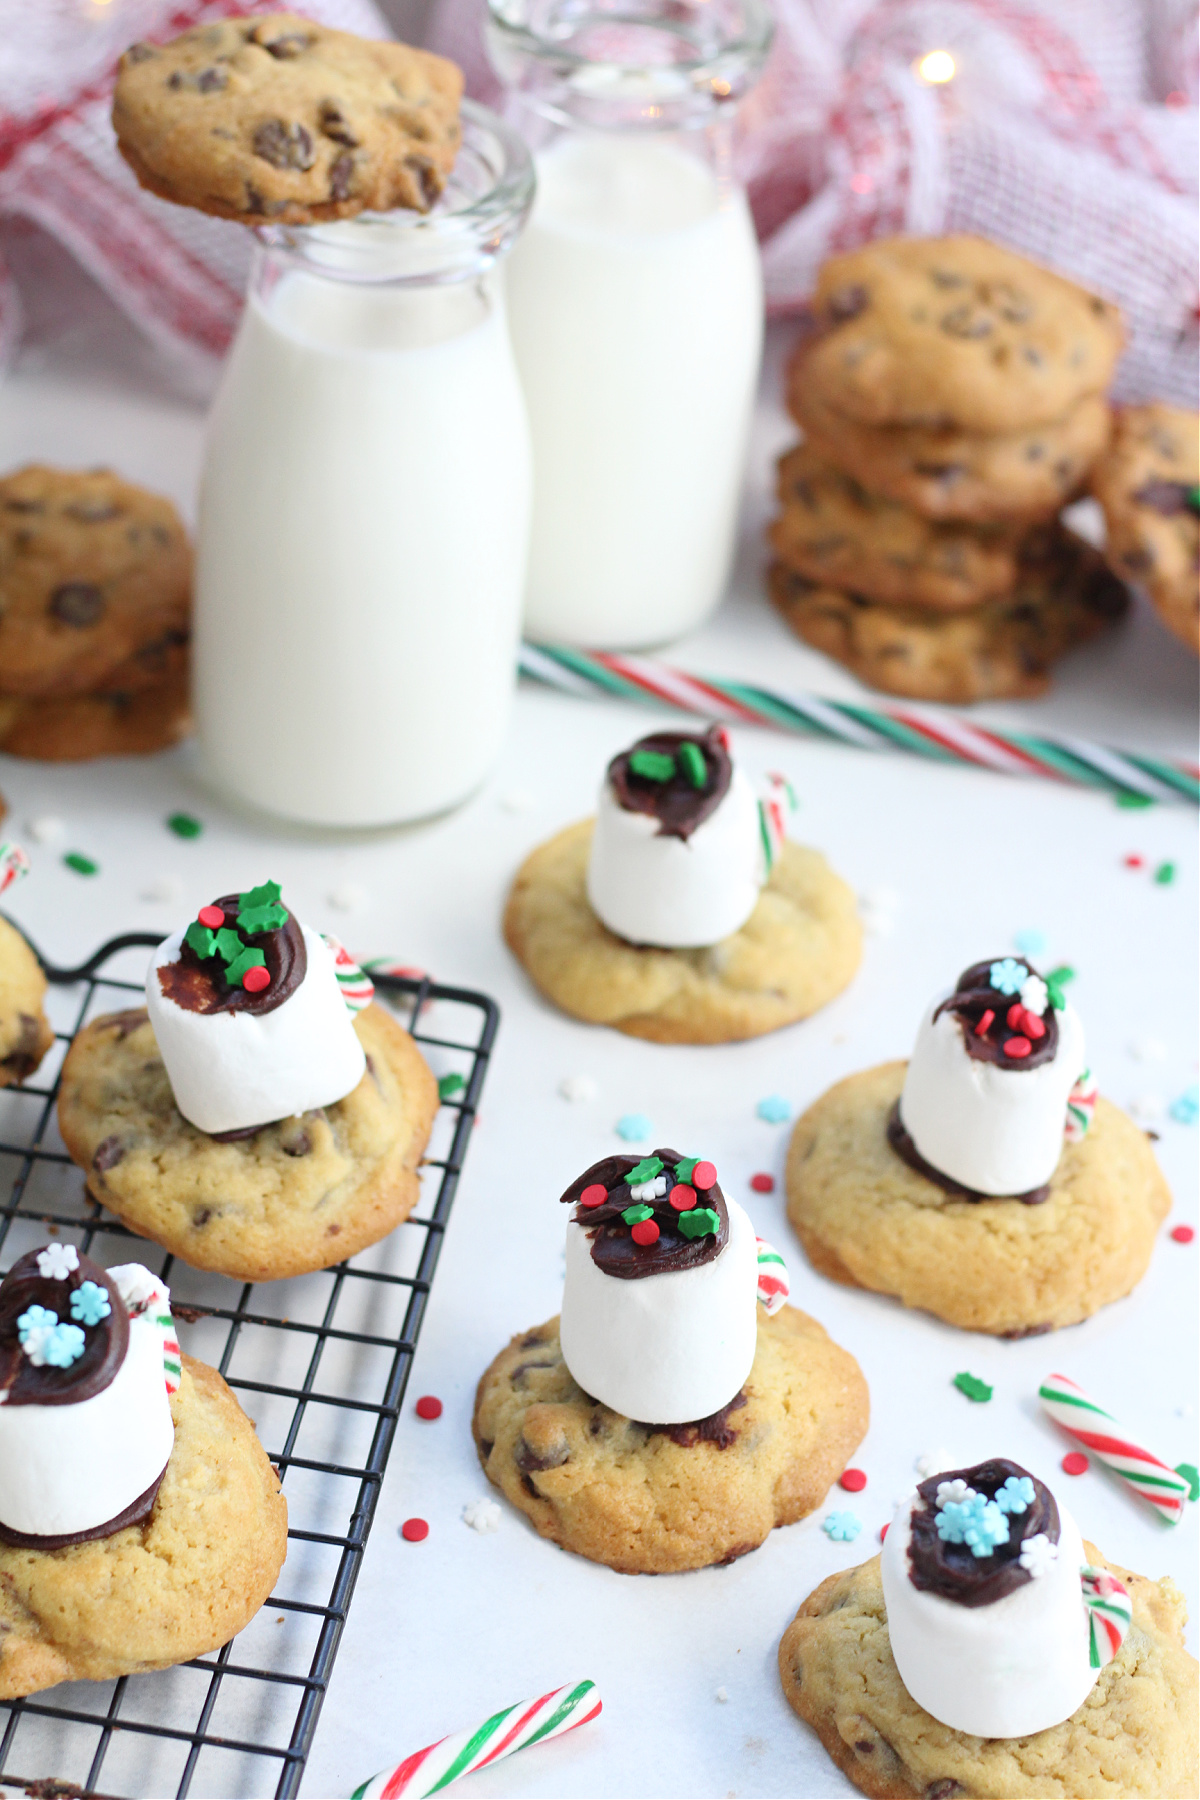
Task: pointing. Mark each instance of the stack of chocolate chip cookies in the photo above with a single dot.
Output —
(95, 600)
(953, 400)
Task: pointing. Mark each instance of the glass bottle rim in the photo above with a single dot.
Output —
(506, 21)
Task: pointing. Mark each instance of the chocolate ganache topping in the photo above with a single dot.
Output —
(41, 1363)
(650, 1215)
(948, 1564)
(678, 779)
(249, 959)
(996, 1026)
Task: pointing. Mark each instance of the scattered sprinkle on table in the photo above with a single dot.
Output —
(1133, 802)
(762, 1183)
(1186, 1109)
(46, 829)
(429, 1407)
(722, 1694)
(633, 1127)
(934, 1461)
(578, 1088)
(842, 1527)
(414, 1531)
(482, 1515)
(1164, 875)
(448, 1085)
(82, 865)
(1075, 1463)
(1030, 941)
(1191, 1475)
(347, 896)
(1183, 1234)
(853, 1480)
(774, 1109)
(184, 826)
(972, 1386)
(1134, 861)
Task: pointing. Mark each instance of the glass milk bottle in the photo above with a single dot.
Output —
(635, 303)
(364, 509)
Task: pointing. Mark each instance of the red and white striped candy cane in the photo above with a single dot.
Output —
(528, 1722)
(1081, 1105)
(1144, 1472)
(773, 1285)
(774, 810)
(1109, 1611)
(13, 865)
(357, 988)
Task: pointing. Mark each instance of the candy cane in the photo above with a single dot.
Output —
(1070, 1407)
(773, 1287)
(1081, 1104)
(773, 812)
(13, 865)
(357, 988)
(528, 1722)
(1109, 1612)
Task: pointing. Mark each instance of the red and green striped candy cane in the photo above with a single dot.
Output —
(1081, 1105)
(773, 1285)
(774, 809)
(357, 988)
(529, 1722)
(1068, 1405)
(1109, 1612)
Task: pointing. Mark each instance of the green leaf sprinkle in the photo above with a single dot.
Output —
(260, 910)
(699, 1222)
(1191, 1475)
(227, 944)
(82, 865)
(199, 938)
(249, 959)
(692, 763)
(1165, 874)
(683, 1170)
(1056, 981)
(633, 1215)
(1132, 802)
(972, 1387)
(450, 1084)
(652, 765)
(184, 826)
(646, 1170)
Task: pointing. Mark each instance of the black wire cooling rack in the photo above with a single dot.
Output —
(320, 1362)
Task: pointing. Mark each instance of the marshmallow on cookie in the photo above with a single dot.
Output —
(985, 1095)
(660, 1299)
(250, 1015)
(681, 846)
(990, 1602)
(88, 1361)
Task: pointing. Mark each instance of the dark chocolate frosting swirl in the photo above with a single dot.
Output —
(200, 985)
(105, 1344)
(677, 803)
(974, 997)
(953, 1570)
(614, 1249)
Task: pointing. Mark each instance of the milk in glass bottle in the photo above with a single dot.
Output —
(364, 512)
(635, 303)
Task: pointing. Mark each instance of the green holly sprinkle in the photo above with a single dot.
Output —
(1056, 981)
(184, 826)
(633, 1215)
(1192, 1476)
(692, 763)
(227, 944)
(972, 1387)
(652, 765)
(249, 959)
(1133, 802)
(199, 938)
(699, 1222)
(450, 1084)
(82, 865)
(683, 1170)
(1165, 874)
(260, 910)
(646, 1170)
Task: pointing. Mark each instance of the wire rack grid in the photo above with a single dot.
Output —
(321, 1362)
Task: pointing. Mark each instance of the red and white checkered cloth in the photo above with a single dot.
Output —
(1068, 132)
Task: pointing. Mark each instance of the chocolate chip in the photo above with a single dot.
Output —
(528, 1460)
(254, 200)
(76, 603)
(140, 53)
(946, 278)
(25, 506)
(92, 512)
(943, 1790)
(527, 1484)
(335, 125)
(332, 1230)
(286, 46)
(201, 81)
(864, 1746)
(108, 1154)
(1009, 302)
(521, 1368)
(341, 176)
(284, 146)
(426, 176)
(966, 321)
(534, 1337)
(941, 471)
(23, 1058)
(295, 1143)
(125, 1022)
(1165, 497)
(202, 1217)
(486, 1446)
(846, 303)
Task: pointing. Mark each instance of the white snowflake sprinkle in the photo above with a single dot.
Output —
(722, 1695)
(953, 1493)
(347, 898)
(482, 1515)
(578, 1088)
(1034, 994)
(1038, 1555)
(57, 1261)
(46, 829)
(649, 1190)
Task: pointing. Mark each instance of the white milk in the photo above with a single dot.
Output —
(635, 302)
(363, 528)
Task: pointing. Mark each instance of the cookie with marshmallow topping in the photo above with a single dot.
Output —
(682, 912)
(984, 1181)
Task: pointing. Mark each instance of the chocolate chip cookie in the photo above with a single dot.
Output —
(1149, 487)
(649, 1499)
(25, 1033)
(956, 333)
(279, 118)
(867, 1219)
(181, 1583)
(295, 1196)
(1135, 1734)
(119, 723)
(1002, 649)
(800, 946)
(948, 473)
(95, 584)
(838, 535)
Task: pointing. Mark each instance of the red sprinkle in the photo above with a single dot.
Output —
(1182, 1234)
(414, 1531)
(1015, 1016)
(883, 1531)
(429, 1407)
(763, 1183)
(853, 1480)
(212, 916)
(704, 1175)
(645, 1232)
(1018, 1046)
(1034, 1027)
(256, 979)
(682, 1197)
(985, 1023)
(595, 1195)
(1134, 862)
(1075, 1463)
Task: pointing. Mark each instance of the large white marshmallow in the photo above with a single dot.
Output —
(1006, 1670)
(999, 1131)
(677, 893)
(231, 1070)
(70, 1468)
(664, 1349)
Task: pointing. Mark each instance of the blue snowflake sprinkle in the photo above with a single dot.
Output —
(1007, 976)
(46, 1342)
(35, 1318)
(1016, 1496)
(89, 1303)
(1186, 1110)
(1030, 941)
(842, 1527)
(976, 1522)
(774, 1109)
(634, 1127)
